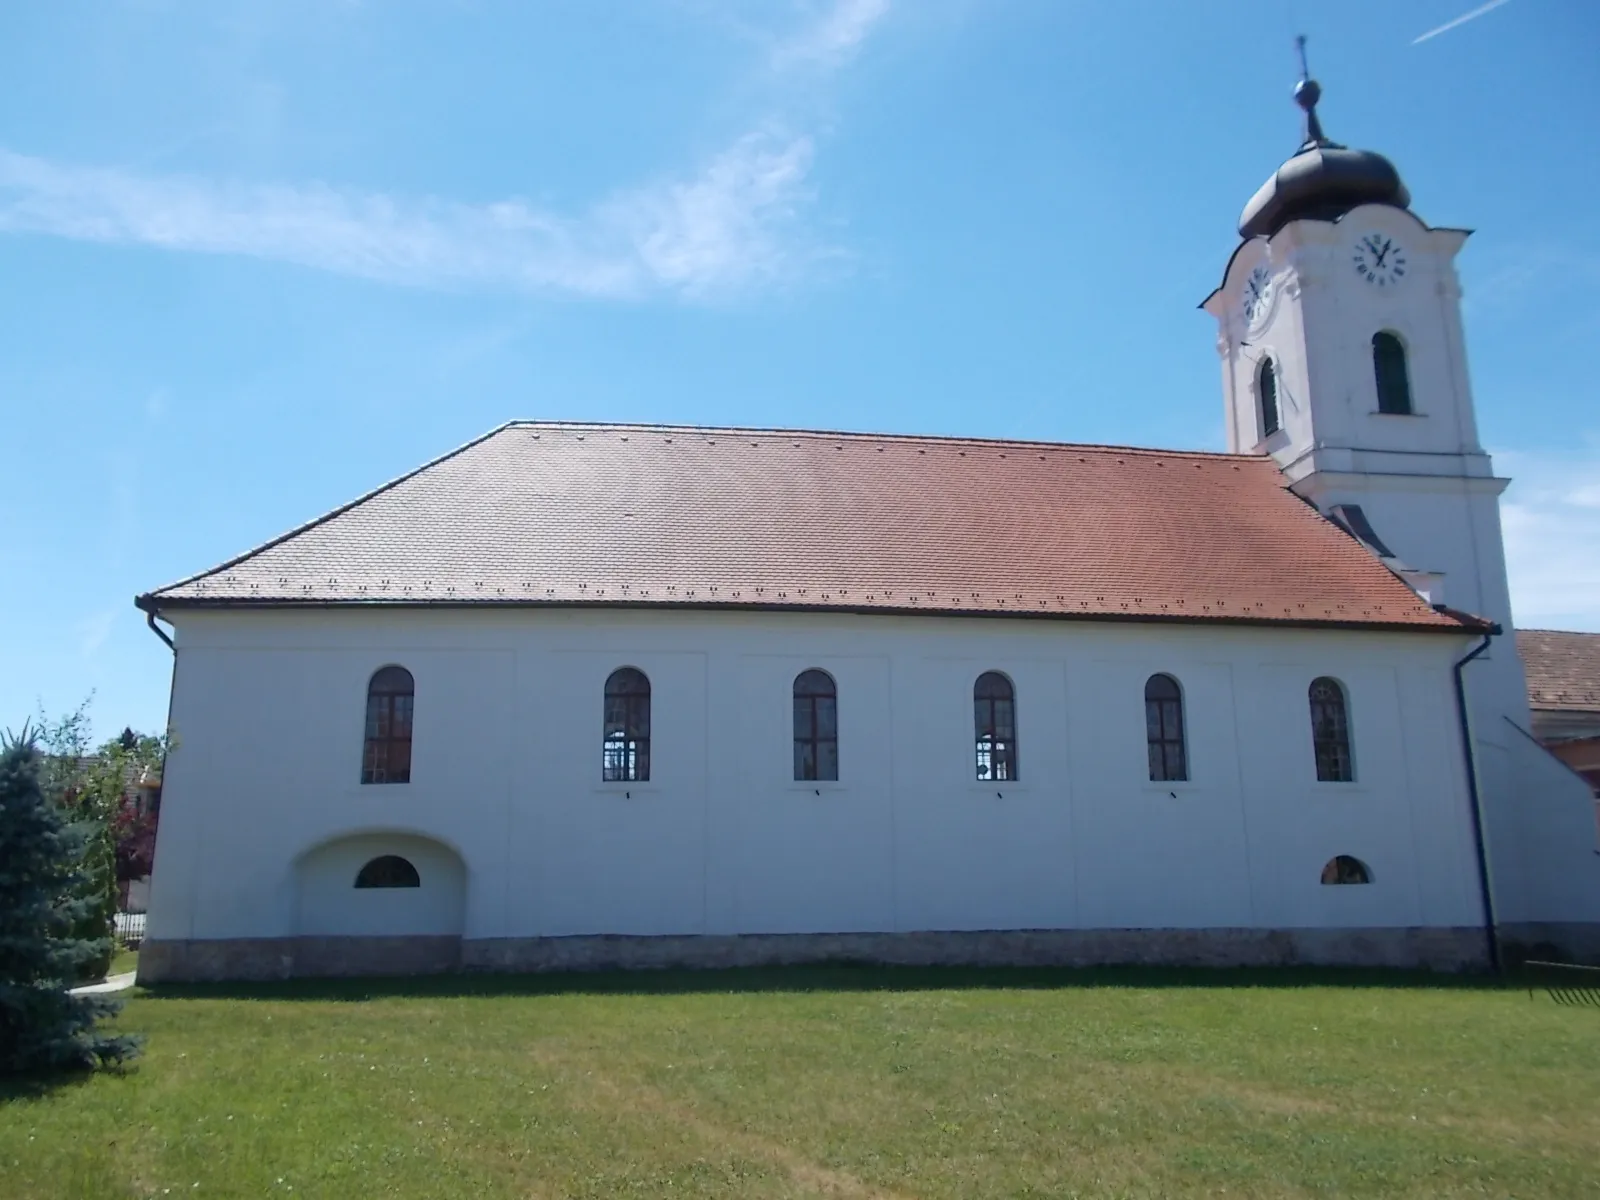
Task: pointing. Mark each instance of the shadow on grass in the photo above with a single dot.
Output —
(38, 1086)
(831, 977)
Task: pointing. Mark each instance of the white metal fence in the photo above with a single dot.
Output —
(130, 927)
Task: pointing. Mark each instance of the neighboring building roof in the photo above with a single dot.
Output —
(1563, 669)
(537, 513)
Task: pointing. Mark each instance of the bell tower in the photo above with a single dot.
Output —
(1343, 357)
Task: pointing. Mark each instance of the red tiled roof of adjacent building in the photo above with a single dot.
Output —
(1563, 668)
(557, 513)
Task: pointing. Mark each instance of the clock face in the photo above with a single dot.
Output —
(1257, 294)
(1379, 259)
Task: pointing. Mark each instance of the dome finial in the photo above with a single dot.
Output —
(1306, 94)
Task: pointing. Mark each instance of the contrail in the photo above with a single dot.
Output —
(1461, 20)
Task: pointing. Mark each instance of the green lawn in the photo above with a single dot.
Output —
(831, 1081)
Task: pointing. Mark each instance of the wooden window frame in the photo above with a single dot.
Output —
(1330, 731)
(1345, 869)
(816, 710)
(1165, 734)
(625, 727)
(994, 720)
(387, 740)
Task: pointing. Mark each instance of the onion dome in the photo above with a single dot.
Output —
(1323, 180)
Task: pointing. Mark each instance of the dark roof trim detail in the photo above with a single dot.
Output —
(1466, 622)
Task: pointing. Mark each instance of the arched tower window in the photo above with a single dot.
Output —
(1163, 729)
(1389, 366)
(626, 747)
(386, 753)
(1267, 394)
(816, 726)
(994, 718)
(1330, 731)
(388, 871)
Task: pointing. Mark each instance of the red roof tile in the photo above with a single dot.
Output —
(1563, 668)
(610, 514)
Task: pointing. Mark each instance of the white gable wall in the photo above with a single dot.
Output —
(268, 712)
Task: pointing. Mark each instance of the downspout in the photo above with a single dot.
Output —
(150, 620)
(1490, 924)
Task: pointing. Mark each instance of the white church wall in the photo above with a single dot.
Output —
(269, 707)
(271, 734)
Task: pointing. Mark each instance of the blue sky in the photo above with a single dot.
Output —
(262, 255)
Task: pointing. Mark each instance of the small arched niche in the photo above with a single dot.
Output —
(380, 885)
(1343, 869)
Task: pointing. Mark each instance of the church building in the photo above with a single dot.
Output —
(582, 696)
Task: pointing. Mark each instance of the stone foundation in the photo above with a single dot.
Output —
(1448, 949)
(1558, 941)
(212, 960)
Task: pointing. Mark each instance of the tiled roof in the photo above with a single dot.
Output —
(536, 513)
(1563, 668)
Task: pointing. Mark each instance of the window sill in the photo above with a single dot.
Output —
(1001, 786)
(820, 786)
(1271, 443)
(645, 788)
(1178, 786)
(1328, 787)
(1378, 412)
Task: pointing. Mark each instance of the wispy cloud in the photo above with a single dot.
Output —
(1551, 516)
(1461, 20)
(834, 38)
(733, 223)
(721, 230)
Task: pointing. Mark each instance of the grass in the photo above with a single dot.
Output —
(124, 960)
(840, 1081)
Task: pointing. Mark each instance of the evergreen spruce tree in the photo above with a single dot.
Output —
(42, 899)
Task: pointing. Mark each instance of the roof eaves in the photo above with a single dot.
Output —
(1454, 622)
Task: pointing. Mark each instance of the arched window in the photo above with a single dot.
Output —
(626, 756)
(994, 719)
(386, 756)
(1330, 731)
(1267, 391)
(1163, 729)
(1344, 869)
(389, 871)
(816, 726)
(1389, 366)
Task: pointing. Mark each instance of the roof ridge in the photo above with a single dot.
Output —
(858, 435)
(1574, 632)
(146, 599)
